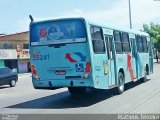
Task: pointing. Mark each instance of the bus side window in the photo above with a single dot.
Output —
(133, 47)
(125, 42)
(144, 42)
(97, 40)
(108, 46)
(139, 44)
(111, 46)
(117, 39)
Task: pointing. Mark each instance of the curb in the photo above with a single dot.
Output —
(21, 74)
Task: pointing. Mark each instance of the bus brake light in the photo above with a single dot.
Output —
(87, 70)
(32, 67)
(34, 72)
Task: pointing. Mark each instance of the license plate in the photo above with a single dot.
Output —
(60, 72)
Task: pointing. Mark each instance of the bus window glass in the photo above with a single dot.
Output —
(125, 42)
(57, 32)
(97, 40)
(139, 43)
(111, 46)
(133, 47)
(117, 39)
(92, 33)
(97, 34)
(144, 42)
(108, 46)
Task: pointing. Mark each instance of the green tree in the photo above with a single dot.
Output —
(154, 31)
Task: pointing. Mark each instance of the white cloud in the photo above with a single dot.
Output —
(23, 25)
(143, 11)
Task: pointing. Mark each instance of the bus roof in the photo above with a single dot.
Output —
(114, 27)
(101, 24)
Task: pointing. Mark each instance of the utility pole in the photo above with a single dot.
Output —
(130, 16)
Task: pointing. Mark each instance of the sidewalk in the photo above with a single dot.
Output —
(155, 61)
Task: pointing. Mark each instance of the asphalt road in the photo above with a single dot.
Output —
(141, 98)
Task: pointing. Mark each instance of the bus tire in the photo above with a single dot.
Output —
(144, 79)
(121, 82)
(77, 91)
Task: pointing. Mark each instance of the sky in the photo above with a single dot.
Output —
(14, 14)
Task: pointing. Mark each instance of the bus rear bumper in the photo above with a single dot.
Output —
(54, 84)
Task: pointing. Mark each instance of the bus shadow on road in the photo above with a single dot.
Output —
(131, 85)
(65, 100)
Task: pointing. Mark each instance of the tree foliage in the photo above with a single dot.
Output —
(154, 31)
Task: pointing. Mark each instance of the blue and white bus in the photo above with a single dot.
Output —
(77, 53)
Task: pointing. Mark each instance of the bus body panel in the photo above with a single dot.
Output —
(122, 65)
(53, 59)
(100, 78)
(133, 71)
(109, 41)
(142, 61)
(64, 61)
(52, 67)
(64, 64)
(151, 57)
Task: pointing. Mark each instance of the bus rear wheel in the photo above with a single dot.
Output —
(77, 90)
(120, 87)
(144, 79)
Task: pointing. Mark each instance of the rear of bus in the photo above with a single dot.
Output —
(59, 52)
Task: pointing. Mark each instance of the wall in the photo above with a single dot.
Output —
(1, 63)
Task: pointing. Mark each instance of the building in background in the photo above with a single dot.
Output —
(14, 51)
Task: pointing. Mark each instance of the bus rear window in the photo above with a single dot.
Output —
(57, 32)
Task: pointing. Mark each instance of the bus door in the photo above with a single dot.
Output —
(110, 54)
(150, 48)
(99, 58)
(133, 61)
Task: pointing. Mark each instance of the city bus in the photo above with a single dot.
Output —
(78, 54)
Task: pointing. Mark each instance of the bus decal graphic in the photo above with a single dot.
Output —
(69, 58)
(129, 66)
(83, 58)
(80, 55)
(36, 55)
(140, 66)
(54, 32)
(79, 67)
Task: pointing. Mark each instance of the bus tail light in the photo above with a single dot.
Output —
(87, 70)
(34, 72)
(32, 68)
(88, 64)
(88, 67)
